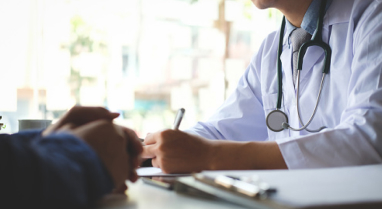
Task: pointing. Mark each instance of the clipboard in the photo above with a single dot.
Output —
(342, 187)
(203, 187)
(250, 187)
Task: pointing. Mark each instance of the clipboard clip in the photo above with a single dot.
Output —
(250, 186)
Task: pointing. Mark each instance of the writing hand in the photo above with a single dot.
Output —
(178, 152)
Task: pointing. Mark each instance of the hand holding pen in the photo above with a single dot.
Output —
(177, 121)
(177, 151)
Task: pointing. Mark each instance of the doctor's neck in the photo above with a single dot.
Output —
(294, 10)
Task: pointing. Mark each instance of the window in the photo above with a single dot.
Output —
(142, 58)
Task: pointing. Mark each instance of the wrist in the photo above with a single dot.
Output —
(228, 155)
(213, 157)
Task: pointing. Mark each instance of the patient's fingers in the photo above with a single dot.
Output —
(67, 127)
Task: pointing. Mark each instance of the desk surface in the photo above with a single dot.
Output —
(144, 196)
(346, 187)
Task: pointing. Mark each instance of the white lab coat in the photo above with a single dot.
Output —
(351, 101)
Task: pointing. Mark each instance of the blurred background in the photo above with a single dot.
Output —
(142, 58)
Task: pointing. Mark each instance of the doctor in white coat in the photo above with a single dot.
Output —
(350, 106)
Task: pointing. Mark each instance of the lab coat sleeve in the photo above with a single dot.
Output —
(57, 171)
(357, 139)
(242, 110)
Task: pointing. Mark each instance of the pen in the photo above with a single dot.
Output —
(178, 118)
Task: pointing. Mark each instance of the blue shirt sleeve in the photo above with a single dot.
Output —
(57, 171)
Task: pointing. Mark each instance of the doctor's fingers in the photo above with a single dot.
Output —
(164, 137)
(152, 138)
(150, 151)
(155, 162)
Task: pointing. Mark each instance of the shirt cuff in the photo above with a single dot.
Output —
(292, 153)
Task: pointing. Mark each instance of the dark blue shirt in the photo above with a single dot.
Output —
(57, 171)
(309, 22)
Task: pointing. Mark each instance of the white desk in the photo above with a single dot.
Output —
(144, 196)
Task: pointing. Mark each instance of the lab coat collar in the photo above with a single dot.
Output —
(338, 12)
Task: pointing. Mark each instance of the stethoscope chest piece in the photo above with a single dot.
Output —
(276, 120)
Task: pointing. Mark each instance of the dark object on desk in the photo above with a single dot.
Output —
(147, 163)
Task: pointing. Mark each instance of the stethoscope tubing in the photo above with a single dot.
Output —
(315, 108)
(316, 41)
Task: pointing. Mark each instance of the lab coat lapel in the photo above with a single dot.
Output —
(338, 12)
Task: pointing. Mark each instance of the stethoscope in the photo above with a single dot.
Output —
(278, 120)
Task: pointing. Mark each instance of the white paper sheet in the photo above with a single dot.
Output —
(152, 171)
